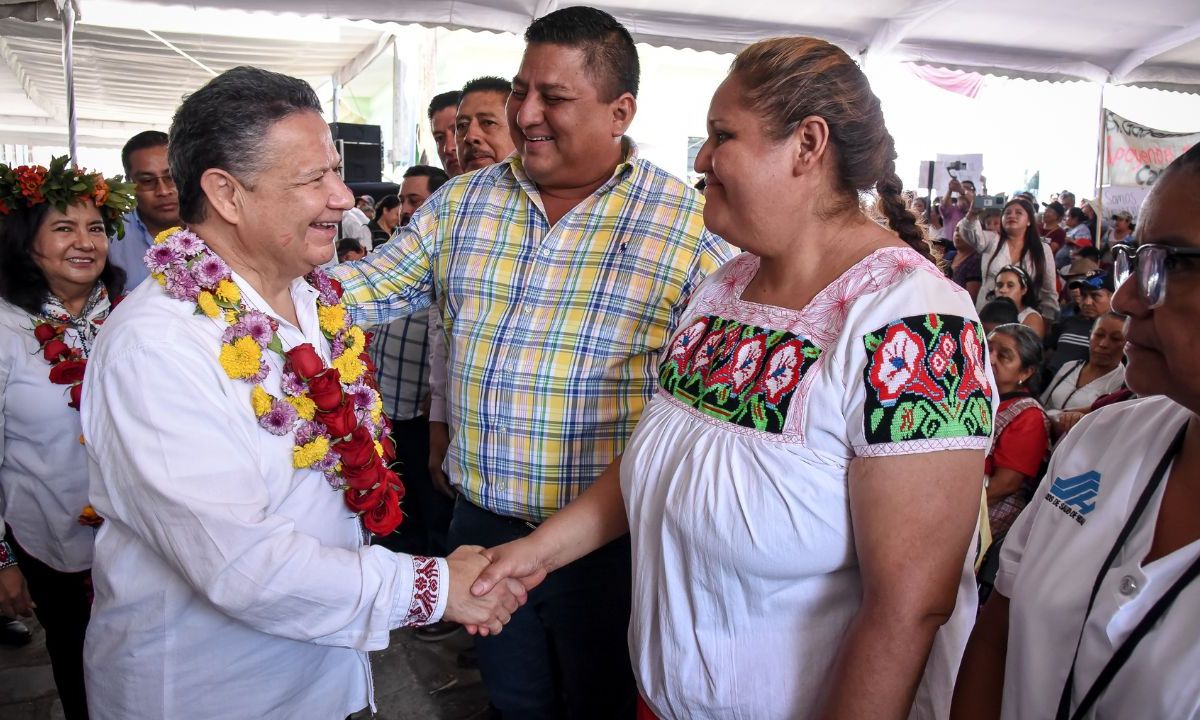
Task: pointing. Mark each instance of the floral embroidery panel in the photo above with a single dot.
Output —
(739, 373)
(926, 380)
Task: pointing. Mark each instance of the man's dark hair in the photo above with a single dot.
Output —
(437, 176)
(1000, 310)
(223, 125)
(141, 141)
(1088, 253)
(487, 83)
(608, 50)
(346, 245)
(441, 101)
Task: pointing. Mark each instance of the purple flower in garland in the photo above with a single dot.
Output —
(263, 371)
(292, 384)
(182, 285)
(364, 397)
(186, 242)
(160, 258)
(211, 270)
(321, 282)
(338, 345)
(328, 463)
(306, 431)
(258, 326)
(279, 419)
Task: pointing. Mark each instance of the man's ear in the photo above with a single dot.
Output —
(623, 109)
(223, 193)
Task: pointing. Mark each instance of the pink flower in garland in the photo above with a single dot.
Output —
(364, 397)
(211, 270)
(307, 431)
(279, 419)
(183, 286)
(186, 242)
(161, 257)
(258, 326)
(291, 384)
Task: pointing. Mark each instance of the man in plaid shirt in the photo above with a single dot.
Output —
(561, 274)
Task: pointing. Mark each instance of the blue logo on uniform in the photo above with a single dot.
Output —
(1075, 496)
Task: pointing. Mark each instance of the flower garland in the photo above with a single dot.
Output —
(335, 413)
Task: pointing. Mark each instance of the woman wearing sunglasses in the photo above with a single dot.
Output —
(1096, 598)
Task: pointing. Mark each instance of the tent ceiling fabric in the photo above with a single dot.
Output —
(1152, 42)
(127, 75)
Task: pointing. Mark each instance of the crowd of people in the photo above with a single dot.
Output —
(655, 476)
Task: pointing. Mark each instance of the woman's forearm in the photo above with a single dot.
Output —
(880, 663)
(590, 521)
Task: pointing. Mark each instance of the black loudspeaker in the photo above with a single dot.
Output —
(361, 148)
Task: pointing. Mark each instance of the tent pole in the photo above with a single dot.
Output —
(337, 97)
(68, 18)
(1101, 146)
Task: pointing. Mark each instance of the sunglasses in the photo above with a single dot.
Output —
(1151, 263)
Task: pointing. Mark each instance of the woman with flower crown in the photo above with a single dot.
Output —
(240, 447)
(55, 291)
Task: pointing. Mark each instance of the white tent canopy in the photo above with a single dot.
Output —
(1150, 42)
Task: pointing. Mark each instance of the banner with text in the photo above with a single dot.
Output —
(1135, 155)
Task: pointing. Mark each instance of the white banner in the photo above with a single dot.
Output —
(1135, 155)
(1124, 197)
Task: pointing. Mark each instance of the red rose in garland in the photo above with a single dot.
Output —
(68, 372)
(358, 450)
(55, 349)
(326, 390)
(364, 501)
(76, 395)
(365, 477)
(46, 332)
(340, 421)
(304, 361)
(386, 516)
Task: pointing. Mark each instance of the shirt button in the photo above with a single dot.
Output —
(545, 252)
(526, 310)
(501, 486)
(501, 428)
(1129, 586)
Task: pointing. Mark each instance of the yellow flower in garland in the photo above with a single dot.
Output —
(260, 400)
(358, 340)
(349, 367)
(159, 278)
(229, 292)
(231, 317)
(379, 448)
(377, 410)
(241, 358)
(305, 407)
(308, 455)
(333, 318)
(161, 238)
(208, 304)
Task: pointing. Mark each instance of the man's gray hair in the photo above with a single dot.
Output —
(224, 125)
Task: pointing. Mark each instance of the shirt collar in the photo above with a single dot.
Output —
(621, 172)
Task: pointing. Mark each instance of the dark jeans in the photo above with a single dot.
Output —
(565, 653)
(426, 511)
(64, 606)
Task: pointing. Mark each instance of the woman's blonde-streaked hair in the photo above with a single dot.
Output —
(791, 78)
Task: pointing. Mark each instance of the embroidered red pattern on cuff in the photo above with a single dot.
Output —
(7, 558)
(427, 584)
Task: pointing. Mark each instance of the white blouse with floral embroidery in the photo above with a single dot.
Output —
(735, 480)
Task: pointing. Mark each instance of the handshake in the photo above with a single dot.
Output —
(487, 585)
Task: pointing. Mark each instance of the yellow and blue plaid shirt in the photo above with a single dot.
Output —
(553, 333)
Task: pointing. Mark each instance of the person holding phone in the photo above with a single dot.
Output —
(956, 203)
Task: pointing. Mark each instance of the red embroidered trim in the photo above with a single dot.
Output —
(427, 585)
(7, 558)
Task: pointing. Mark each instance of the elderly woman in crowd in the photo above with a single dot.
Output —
(1015, 284)
(1094, 613)
(1077, 226)
(1017, 243)
(1079, 383)
(804, 489)
(56, 289)
(1022, 429)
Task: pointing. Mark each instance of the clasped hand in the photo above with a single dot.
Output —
(488, 585)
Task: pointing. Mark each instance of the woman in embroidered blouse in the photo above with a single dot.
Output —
(1017, 243)
(1015, 284)
(1021, 433)
(53, 273)
(803, 490)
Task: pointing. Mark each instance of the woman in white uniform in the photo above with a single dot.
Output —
(803, 490)
(1094, 614)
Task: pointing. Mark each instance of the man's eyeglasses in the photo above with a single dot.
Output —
(1151, 263)
(150, 183)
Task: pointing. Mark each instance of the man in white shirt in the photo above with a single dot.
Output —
(232, 580)
(355, 223)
